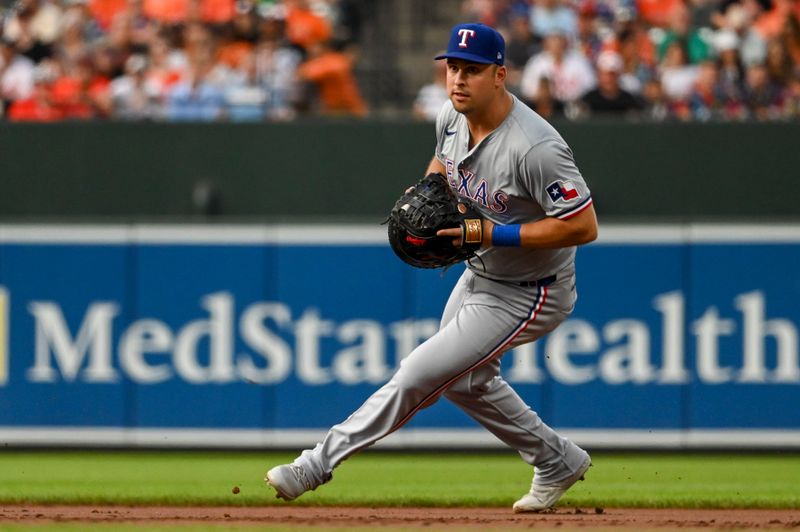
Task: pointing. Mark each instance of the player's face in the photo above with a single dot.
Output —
(471, 86)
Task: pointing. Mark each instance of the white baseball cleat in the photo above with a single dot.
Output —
(545, 497)
(289, 480)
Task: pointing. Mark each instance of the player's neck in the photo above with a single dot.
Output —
(480, 125)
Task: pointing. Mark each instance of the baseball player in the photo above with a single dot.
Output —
(520, 173)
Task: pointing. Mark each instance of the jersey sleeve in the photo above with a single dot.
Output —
(554, 181)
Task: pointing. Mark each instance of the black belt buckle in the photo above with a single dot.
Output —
(545, 281)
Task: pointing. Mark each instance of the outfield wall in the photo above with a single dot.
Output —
(684, 336)
(356, 169)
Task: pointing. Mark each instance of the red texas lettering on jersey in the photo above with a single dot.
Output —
(470, 186)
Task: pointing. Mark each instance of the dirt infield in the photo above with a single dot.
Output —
(477, 518)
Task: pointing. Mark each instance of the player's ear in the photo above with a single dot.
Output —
(500, 74)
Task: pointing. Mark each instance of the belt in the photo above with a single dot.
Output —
(544, 281)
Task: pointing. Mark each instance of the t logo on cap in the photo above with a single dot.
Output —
(465, 34)
(476, 43)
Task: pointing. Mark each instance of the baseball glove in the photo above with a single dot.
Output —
(425, 208)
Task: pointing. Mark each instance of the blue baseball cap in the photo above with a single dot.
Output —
(476, 43)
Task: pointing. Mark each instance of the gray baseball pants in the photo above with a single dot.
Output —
(482, 320)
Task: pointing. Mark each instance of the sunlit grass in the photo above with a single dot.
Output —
(389, 479)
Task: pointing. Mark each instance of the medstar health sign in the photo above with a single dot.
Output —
(265, 334)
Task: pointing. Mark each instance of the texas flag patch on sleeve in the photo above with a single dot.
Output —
(559, 190)
(571, 203)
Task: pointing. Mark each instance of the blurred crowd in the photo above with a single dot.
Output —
(198, 60)
(657, 60)
(256, 60)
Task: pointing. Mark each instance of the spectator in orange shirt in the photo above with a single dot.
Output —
(238, 38)
(304, 28)
(178, 11)
(81, 93)
(104, 11)
(771, 23)
(657, 12)
(332, 73)
(217, 12)
(38, 107)
(167, 11)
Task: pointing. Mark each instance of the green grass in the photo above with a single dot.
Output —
(380, 479)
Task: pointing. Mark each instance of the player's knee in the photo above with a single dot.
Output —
(414, 385)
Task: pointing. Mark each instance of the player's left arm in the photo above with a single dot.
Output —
(546, 233)
(552, 232)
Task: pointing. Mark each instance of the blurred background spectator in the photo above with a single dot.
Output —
(549, 17)
(33, 27)
(199, 96)
(38, 106)
(16, 72)
(521, 46)
(563, 64)
(707, 100)
(305, 28)
(656, 105)
(681, 28)
(432, 96)
(545, 103)
(329, 69)
(133, 95)
(609, 98)
(677, 74)
(268, 60)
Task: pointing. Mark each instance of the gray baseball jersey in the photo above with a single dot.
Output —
(521, 172)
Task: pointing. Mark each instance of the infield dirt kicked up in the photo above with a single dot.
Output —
(404, 518)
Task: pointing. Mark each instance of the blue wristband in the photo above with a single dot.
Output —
(506, 235)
